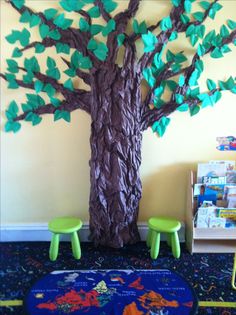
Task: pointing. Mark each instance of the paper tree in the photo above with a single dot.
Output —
(118, 110)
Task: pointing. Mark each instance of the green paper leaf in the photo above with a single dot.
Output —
(85, 63)
(183, 108)
(199, 66)
(12, 126)
(94, 12)
(13, 85)
(70, 72)
(200, 30)
(39, 48)
(205, 5)
(35, 101)
(149, 41)
(172, 85)
(38, 86)
(54, 34)
(176, 3)
(95, 29)
(199, 16)
(49, 89)
(148, 76)
(51, 63)
(84, 25)
(201, 50)
(26, 107)
(13, 109)
(28, 78)
(187, 6)
(12, 66)
(92, 44)
(194, 78)
(36, 120)
(166, 24)
(109, 6)
(216, 53)
(211, 84)
(179, 98)
(181, 80)
(44, 30)
(227, 85)
(101, 51)
(55, 102)
(161, 125)
(18, 3)
(206, 100)
(69, 85)
(25, 17)
(61, 22)
(111, 26)
(184, 18)
(224, 32)
(225, 49)
(194, 110)
(231, 24)
(120, 39)
(53, 73)
(135, 26)
(159, 91)
(190, 30)
(173, 36)
(50, 13)
(216, 96)
(13, 37)
(72, 5)
(193, 39)
(16, 53)
(24, 37)
(62, 48)
(59, 114)
(35, 20)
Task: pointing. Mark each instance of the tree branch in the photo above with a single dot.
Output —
(83, 75)
(106, 16)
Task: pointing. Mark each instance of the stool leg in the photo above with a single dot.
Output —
(234, 273)
(155, 244)
(53, 251)
(168, 239)
(75, 245)
(175, 245)
(149, 238)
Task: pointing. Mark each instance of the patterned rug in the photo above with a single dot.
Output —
(23, 264)
(112, 292)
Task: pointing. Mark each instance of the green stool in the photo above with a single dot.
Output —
(234, 273)
(158, 225)
(64, 225)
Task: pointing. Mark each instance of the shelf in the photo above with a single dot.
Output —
(206, 240)
(214, 233)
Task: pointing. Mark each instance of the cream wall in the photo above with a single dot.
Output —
(44, 169)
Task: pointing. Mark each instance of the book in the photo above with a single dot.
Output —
(231, 177)
(211, 171)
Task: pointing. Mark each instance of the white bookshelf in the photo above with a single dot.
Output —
(206, 240)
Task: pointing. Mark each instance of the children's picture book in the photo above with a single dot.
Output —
(218, 190)
(231, 177)
(211, 170)
(230, 196)
(230, 165)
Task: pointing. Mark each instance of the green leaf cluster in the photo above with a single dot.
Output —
(18, 3)
(11, 79)
(62, 114)
(100, 50)
(72, 5)
(22, 36)
(229, 85)
(44, 31)
(32, 19)
(63, 48)
(214, 9)
(79, 61)
(166, 24)
(11, 114)
(195, 32)
(12, 66)
(31, 65)
(52, 71)
(139, 28)
(111, 26)
(149, 77)
(150, 41)
(109, 5)
(161, 125)
(61, 22)
(34, 118)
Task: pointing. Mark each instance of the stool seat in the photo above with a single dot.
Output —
(164, 224)
(64, 225)
(169, 226)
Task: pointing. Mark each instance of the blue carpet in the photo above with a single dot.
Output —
(22, 264)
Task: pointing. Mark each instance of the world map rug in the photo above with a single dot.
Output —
(112, 292)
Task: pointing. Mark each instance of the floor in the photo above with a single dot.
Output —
(23, 263)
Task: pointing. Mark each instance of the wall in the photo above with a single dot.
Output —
(44, 169)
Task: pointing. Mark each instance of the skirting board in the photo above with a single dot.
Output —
(38, 232)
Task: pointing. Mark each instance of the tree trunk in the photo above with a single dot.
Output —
(116, 156)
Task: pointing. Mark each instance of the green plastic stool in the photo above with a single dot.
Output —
(64, 225)
(158, 225)
(234, 273)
